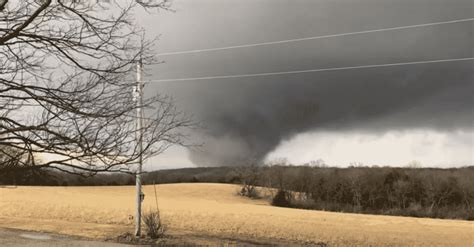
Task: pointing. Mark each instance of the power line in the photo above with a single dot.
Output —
(312, 70)
(313, 38)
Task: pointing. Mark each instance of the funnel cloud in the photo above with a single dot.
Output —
(248, 118)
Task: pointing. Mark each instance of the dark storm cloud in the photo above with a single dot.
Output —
(249, 117)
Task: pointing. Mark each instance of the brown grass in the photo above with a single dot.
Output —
(215, 210)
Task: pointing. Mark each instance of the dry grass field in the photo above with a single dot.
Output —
(215, 210)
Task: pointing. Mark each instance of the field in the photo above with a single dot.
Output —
(216, 211)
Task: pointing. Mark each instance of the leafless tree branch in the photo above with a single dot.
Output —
(66, 87)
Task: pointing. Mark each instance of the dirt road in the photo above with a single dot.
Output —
(15, 238)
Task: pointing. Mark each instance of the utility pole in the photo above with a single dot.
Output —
(139, 196)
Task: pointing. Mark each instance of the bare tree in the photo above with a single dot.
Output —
(249, 173)
(66, 87)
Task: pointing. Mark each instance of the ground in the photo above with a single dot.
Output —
(214, 213)
(12, 238)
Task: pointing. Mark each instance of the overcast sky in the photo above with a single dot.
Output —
(378, 116)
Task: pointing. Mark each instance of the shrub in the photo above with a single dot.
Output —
(281, 199)
(154, 227)
(249, 191)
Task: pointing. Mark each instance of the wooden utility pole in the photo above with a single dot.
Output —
(139, 196)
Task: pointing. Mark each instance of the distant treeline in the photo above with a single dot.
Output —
(420, 192)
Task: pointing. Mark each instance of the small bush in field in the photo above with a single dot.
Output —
(154, 227)
(249, 191)
(281, 199)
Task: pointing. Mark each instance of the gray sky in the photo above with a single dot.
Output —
(383, 116)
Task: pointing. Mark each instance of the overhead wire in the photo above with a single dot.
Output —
(314, 37)
(312, 70)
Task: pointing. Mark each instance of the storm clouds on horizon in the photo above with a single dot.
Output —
(250, 117)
